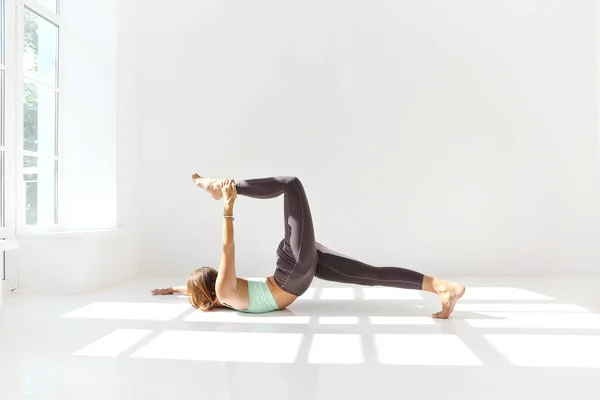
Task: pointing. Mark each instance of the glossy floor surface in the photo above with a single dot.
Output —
(508, 339)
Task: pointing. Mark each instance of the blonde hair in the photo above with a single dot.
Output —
(201, 288)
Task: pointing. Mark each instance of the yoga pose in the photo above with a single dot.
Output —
(300, 258)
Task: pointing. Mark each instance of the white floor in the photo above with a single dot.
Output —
(508, 339)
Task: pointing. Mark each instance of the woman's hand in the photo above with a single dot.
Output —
(166, 291)
(229, 190)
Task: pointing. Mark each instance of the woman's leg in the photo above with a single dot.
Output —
(336, 267)
(297, 252)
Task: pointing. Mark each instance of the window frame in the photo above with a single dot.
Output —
(10, 148)
(21, 195)
(8, 232)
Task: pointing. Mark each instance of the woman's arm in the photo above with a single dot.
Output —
(226, 285)
(171, 290)
(180, 290)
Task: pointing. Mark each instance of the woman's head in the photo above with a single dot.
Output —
(201, 288)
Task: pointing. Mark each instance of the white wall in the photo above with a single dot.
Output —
(127, 117)
(88, 126)
(452, 137)
(75, 263)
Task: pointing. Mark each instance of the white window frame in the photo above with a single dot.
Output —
(14, 186)
(8, 231)
(22, 227)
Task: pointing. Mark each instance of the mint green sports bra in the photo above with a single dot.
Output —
(260, 298)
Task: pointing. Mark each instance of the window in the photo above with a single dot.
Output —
(29, 94)
(29, 123)
(40, 94)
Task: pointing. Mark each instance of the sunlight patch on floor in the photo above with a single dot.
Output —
(390, 294)
(114, 343)
(230, 316)
(536, 320)
(414, 349)
(559, 351)
(338, 294)
(338, 320)
(402, 320)
(532, 307)
(503, 293)
(250, 347)
(132, 311)
(336, 349)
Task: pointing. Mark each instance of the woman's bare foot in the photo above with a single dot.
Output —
(212, 186)
(449, 293)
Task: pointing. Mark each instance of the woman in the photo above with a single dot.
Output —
(300, 259)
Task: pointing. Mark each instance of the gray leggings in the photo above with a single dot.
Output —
(301, 258)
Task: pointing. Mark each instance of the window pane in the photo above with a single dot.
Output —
(40, 193)
(49, 4)
(40, 48)
(29, 161)
(30, 168)
(31, 217)
(39, 119)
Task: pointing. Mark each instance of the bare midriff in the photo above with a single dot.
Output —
(282, 298)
